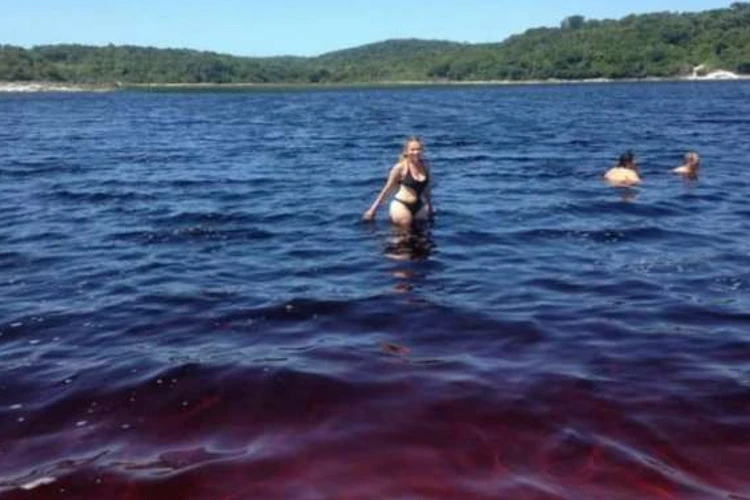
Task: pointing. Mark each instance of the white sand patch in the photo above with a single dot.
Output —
(47, 87)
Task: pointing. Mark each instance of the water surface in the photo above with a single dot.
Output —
(191, 307)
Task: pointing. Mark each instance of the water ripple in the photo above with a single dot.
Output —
(192, 308)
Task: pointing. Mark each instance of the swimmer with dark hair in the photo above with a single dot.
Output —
(625, 172)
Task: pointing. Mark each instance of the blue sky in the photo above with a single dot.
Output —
(296, 27)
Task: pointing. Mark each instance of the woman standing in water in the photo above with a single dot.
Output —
(411, 176)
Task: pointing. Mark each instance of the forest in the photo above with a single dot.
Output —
(661, 44)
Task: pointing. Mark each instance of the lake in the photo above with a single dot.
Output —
(191, 307)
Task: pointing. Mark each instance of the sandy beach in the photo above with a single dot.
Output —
(53, 87)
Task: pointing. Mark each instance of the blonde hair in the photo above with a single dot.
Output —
(405, 148)
(692, 158)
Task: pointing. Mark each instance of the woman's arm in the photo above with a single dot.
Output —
(394, 177)
(682, 169)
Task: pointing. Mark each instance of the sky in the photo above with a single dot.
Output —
(297, 27)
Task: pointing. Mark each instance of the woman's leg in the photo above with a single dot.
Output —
(423, 213)
(400, 214)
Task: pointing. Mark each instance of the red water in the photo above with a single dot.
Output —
(417, 429)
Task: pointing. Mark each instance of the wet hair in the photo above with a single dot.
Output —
(627, 160)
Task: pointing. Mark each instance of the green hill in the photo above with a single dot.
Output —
(390, 60)
(660, 44)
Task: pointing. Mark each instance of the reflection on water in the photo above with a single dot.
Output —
(408, 246)
(689, 180)
(627, 194)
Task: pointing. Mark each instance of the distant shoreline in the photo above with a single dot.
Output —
(32, 87)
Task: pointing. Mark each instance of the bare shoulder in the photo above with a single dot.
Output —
(396, 173)
(398, 168)
(622, 176)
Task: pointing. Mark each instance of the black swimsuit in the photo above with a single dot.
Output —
(417, 187)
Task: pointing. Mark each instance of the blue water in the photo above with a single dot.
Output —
(191, 307)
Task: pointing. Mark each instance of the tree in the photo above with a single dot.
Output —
(655, 44)
(573, 22)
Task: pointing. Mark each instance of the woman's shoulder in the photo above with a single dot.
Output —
(398, 169)
(400, 166)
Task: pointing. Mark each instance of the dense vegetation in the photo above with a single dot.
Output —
(637, 46)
